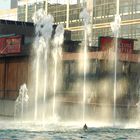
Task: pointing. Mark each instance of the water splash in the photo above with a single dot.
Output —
(85, 16)
(138, 103)
(44, 28)
(59, 35)
(44, 24)
(39, 51)
(86, 19)
(57, 53)
(45, 87)
(115, 26)
(21, 103)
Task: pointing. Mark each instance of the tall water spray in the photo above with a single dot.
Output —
(115, 26)
(86, 19)
(44, 28)
(45, 87)
(57, 53)
(138, 103)
(21, 103)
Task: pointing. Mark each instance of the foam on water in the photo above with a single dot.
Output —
(54, 132)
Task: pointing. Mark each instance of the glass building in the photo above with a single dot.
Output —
(102, 12)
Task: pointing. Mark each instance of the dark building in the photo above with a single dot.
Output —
(14, 65)
(13, 4)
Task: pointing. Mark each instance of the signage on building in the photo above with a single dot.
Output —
(2, 46)
(124, 45)
(11, 44)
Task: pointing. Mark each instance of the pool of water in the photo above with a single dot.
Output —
(26, 131)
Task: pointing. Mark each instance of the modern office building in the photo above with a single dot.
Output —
(102, 12)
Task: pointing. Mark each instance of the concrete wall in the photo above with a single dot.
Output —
(7, 108)
(135, 68)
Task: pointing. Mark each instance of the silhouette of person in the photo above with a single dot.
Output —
(85, 127)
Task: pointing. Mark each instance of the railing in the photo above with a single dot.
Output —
(103, 56)
(3, 50)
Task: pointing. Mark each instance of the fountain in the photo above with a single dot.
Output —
(44, 27)
(21, 103)
(86, 18)
(47, 51)
(115, 26)
(138, 103)
(48, 55)
(46, 48)
(57, 54)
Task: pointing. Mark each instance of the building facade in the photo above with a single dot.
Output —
(102, 13)
(100, 72)
(9, 14)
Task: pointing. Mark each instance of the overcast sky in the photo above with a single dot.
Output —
(4, 4)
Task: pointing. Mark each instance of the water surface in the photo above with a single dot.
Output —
(64, 132)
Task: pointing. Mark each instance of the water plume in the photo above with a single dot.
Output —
(39, 51)
(57, 53)
(43, 31)
(86, 19)
(115, 26)
(85, 16)
(21, 103)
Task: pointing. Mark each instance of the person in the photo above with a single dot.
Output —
(85, 127)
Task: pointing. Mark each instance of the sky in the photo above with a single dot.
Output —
(4, 4)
